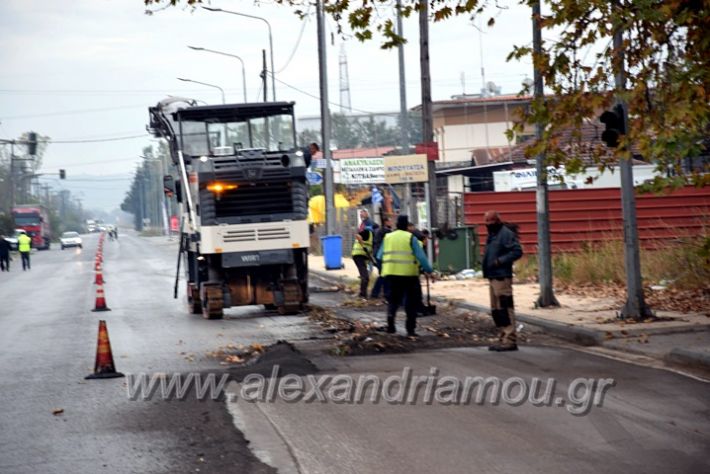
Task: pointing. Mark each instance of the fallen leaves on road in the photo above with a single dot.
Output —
(364, 331)
(236, 353)
(363, 303)
(57, 411)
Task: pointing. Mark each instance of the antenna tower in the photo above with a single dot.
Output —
(345, 107)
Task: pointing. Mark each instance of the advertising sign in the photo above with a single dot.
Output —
(406, 169)
(362, 171)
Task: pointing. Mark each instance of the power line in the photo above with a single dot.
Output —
(298, 41)
(318, 97)
(72, 112)
(97, 140)
(91, 163)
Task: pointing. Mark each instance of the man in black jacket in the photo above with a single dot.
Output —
(502, 249)
(4, 254)
(381, 283)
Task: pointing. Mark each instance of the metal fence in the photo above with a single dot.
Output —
(346, 223)
(582, 217)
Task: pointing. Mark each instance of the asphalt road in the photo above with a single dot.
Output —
(650, 420)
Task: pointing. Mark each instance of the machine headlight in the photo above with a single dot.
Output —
(219, 188)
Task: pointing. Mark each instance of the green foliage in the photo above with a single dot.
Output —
(666, 57)
(666, 49)
(6, 225)
(357, 132)
(309, 136)
(315, 190)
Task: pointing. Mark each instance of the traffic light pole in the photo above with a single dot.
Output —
(635, 306)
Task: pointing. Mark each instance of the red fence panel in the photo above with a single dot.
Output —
(586, 216)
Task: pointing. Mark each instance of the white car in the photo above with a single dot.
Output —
(13, 239)
(70, 239)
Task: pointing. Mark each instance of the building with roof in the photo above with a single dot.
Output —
(470, 130)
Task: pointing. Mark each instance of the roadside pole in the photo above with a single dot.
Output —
(427, 120)
(635, 306)
(544, 253)
(325, 123)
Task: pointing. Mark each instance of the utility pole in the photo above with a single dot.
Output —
(544, 253)
(325, 122)
(13, 198)
(427, 118)
(264, 75)
(635, 307)
(139, 181)
(403, 116)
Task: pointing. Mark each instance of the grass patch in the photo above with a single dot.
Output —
(684, 265)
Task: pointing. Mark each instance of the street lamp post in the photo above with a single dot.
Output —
(204, 84)
(163, 205)
(226, 128)
(271, 42)
(244, 76)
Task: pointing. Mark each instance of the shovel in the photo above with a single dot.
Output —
(429, 309)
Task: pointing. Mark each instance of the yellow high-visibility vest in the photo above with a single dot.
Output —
(398, 256)
(359, 249)
(23, 243)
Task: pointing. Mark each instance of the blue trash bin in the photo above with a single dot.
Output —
(332, 251)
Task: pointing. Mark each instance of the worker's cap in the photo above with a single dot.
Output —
(402, 221)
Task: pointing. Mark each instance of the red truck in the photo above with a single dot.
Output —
(34, 220)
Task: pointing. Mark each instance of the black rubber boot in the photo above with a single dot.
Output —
(390, 325)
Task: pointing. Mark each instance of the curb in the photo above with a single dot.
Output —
(580, 335)
(688, 357)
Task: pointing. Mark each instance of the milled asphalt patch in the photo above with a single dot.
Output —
(580, 335)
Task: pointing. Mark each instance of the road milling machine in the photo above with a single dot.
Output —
(240, 181)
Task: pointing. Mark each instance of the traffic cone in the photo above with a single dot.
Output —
(104, 367)
(99, 280)
(97, 266)
(100, 300)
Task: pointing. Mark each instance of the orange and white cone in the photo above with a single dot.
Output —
(99, 279)
(104, 367)
(100, 300)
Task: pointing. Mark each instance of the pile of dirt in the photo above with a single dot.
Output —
(451, 327)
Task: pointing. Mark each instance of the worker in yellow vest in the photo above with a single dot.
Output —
(362, 255)
(401, 257)
(24, 245)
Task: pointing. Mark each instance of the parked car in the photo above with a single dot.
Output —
(70, 239)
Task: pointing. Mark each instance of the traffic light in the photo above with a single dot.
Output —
(62, 174)
(615, 126)
(32, 143)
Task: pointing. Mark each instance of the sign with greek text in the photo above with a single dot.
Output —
(406, 169)
(362, 171)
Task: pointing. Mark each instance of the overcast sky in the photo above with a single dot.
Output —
(88, 69)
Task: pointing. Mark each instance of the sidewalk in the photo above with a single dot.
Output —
(683, 338)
